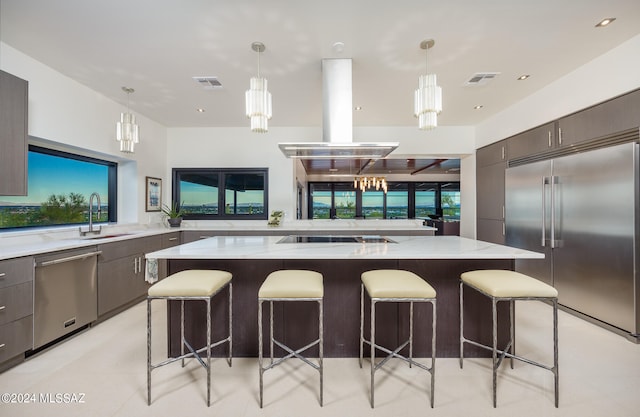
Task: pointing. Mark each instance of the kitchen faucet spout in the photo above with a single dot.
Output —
(91, 229)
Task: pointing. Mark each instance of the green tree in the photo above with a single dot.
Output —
(61, 209)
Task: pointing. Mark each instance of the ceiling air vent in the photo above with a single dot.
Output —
(208, 83)
(481, 78)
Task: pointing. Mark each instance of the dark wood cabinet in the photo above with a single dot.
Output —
(121, 272)
(536, 140)
(13, 134)
(616, 115)
(491, 163)
(16, 309)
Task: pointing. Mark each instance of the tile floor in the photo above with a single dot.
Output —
(599, 376)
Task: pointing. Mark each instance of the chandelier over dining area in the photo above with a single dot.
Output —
(367, 183)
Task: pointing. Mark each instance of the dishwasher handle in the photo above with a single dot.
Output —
(69, 258)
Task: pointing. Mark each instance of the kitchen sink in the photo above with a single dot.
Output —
(107, 236)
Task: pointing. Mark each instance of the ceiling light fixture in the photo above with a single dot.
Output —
(127, 129)
(428, 97)
(478, 107)
(258, 98)
(523, 77)
(365, 183)
(605, 22)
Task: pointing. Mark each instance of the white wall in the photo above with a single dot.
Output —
(611, 74)
(69, 115)
(238, 147)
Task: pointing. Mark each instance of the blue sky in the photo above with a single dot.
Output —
(55, 175)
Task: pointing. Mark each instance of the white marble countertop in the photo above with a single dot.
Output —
(36, 242)
(407, 247)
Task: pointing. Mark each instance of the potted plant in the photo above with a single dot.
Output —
(174, 214)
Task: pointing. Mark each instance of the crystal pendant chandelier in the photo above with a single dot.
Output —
(428, 96)
(366, 183)
(258, 98)
(127, 129)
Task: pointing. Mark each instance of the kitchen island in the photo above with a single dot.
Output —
(438, 259)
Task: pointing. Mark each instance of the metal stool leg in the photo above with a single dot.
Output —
(209, 352)
(260, 348)
(230, 323)
(495, 347)
(373, 349)
(361, 322)
(433, 350)
(555, 351)
(321, 348)
(148, 351)
(512, 339)
(182, 331)
(271, 330)
(461, 324)
(410, 333)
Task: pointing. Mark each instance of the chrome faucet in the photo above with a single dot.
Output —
(91, 230)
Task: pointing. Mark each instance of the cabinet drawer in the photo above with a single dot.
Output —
(116, 250)
(16, 337)
(16, 302)
(16, 271)
(193, 235)
(170, 239)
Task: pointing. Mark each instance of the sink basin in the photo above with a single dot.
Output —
(107, 236)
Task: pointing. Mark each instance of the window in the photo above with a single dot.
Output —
(211, 193)
(403, 200)
(59, 186)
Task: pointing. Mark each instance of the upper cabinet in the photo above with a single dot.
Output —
(539, 139)
(492, 154)
(13, 134)
(616, 115)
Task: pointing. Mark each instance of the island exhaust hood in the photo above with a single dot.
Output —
(337, 121)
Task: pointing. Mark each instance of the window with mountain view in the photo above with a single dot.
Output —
(59, 186)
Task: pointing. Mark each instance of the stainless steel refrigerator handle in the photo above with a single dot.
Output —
(545, 181)
(554, 179)
(69, 258)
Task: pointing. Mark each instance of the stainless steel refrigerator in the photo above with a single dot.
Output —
(581, 210)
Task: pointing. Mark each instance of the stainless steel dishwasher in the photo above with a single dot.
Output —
(65, 293)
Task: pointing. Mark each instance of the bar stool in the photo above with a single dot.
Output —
(190, 285)
(396, 286)
(290, 285)
(501, 285)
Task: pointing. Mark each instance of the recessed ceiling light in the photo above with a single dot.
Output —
(523, 77)
(200, 110)
(478, 107)
(605, 22)
(357, 108)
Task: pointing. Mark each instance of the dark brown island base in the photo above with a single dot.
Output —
(295, 322)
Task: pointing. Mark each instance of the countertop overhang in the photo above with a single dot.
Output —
(406, 247)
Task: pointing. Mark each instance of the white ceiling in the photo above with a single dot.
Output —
(157, 46)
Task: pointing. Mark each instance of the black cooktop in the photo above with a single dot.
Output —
(335, 239)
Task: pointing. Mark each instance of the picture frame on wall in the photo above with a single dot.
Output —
(153, 194)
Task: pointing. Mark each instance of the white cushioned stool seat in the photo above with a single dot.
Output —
(508, 284)
(191, 283)
(292, 283)
(394, 283)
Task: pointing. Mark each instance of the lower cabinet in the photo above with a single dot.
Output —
(121, 272)
(16, 309)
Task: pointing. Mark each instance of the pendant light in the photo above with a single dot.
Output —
(127, 129)
(258, 98)
(428, 95)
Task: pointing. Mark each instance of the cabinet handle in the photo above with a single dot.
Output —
(2, 345)
(503, 152)
(140, 267)
(503, 214)
(504, 229)
(560, 136)
(2, 307)
(171, 239)
(205, 237)
(135, 265)
(549, 138)
(2, 274)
